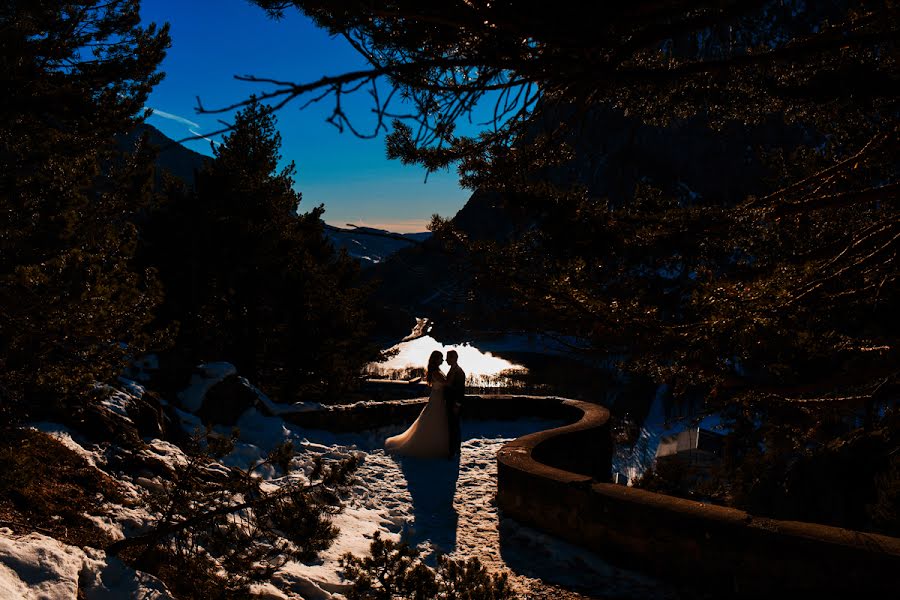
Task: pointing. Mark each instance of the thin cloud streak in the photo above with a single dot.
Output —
(170, 116)
(200, 135)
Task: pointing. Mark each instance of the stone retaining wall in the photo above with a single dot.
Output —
(730, 551)
(554, 480)
(374, 414)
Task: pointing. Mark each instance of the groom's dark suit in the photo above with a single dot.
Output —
(453, 397)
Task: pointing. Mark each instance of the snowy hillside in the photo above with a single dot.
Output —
(443, 507)
(371, 246)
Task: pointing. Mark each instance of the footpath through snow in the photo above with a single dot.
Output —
(441, 506)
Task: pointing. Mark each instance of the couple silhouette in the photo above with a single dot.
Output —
(435, 433)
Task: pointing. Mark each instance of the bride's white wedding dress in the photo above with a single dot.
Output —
(428, 437)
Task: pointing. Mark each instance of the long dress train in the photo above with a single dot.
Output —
(428, 436)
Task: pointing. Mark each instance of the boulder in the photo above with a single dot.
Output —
(147, 414)
(226, 401)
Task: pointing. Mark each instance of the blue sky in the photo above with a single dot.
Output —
(213, 40)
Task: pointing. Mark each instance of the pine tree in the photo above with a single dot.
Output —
(71, 305)
(775, 302)
(253, 282)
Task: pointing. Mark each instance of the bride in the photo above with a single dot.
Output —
(428, 436)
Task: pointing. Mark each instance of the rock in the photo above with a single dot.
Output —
(99, 424)
(203, 379)
(36, 566)
(175, 433)
(226, 401)
(147, 414)
(152, 485)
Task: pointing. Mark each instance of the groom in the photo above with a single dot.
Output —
(453, 394)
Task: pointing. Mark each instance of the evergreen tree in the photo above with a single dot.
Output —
(71, 305)
(253, 282)
(777, 302)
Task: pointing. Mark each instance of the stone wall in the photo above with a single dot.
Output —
(374, 414)
(541, 483)
(359, 416)
(555, 481)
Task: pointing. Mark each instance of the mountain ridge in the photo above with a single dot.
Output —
(615, 155)
(172, 157)
(367, 244)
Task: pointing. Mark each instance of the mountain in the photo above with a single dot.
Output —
(369, 245)
(614, 155)
(372, 246)
(172, 158)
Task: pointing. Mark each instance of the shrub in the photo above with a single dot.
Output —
(220, 530)
(394, 570)
(45, 485)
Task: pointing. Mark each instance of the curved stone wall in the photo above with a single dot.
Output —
(704, 545)
(369, 415)
(554, 480)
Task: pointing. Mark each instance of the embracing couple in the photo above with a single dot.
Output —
(435, 434)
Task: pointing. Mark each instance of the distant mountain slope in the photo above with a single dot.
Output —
(615, 154)
(173, 158)
(372, 246)
(369, 245)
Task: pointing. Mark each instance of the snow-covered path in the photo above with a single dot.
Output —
(441, 506)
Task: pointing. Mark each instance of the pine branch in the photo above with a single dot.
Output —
(795, 52)
(885, 193)
(165, 531)
(873, 144)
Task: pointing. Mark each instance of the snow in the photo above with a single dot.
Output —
(189, 422)
(132, 387)
(210, 374)
(117, 520)
(443, 507)
(108, 525)
(481, 367)
(37, 567)
(361, 245)
(165, 452)
(274, 408)
(68, 439)
(117, 401)
(634, 460)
